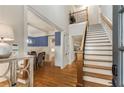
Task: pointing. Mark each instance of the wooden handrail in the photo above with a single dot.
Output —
(83, 37)
(107, 21)
(80, 59)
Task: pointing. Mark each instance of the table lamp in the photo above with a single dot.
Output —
(52, 50)
(6, 34)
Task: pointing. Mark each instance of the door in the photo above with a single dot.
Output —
(118, 46)
(66, 48)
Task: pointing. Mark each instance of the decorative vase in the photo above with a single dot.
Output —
(5, 50)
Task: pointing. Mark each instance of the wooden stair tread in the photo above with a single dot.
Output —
(97, 67)
(96, 45)
(98, 57)
(97, 75)
(92, 84)
(99, 54)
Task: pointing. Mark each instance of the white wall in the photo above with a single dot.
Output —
(14, 16)
(106, 10)
(65, 36)
(74, 30)
(76, 8)
(55, 13)
(51, 36)
(59, 59)
(93, 14)
(61, 53)
(51, 46)
(95, 10)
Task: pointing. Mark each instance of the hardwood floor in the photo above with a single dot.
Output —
(51, 76)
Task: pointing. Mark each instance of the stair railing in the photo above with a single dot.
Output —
(79, 16)
(80, 59)
(106, 21)
(107, 24)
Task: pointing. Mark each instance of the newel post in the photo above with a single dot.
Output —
(79, 63)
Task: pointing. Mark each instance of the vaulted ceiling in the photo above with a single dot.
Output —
(36, 24)
(34, 32)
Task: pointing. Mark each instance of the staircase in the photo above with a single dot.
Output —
(97, 68)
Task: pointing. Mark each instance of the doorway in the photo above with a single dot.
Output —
(118, 46)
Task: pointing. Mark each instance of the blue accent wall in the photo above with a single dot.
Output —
(38, 41)
(57, 38)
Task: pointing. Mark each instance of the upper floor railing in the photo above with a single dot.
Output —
(79, 16)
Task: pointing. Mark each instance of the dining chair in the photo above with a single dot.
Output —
(43, 58)
(40, 60)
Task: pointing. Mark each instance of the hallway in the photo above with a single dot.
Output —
(51, 76)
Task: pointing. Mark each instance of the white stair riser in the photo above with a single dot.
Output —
(107, 58)
(96, 38)
(92, 39)
(99, 52)
(92, 33)
(100, 31)
(95, 34)
(97, 80)
(99, 71)
(101, 48)
(107, 64)
(96, 29)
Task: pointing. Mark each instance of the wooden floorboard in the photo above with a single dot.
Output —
(51, 76)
